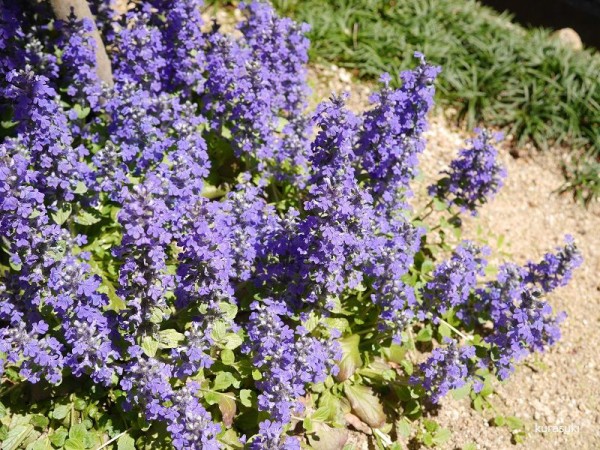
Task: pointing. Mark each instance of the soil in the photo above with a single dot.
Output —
(561, 386)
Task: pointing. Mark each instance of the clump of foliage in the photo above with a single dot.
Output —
(191, 260)
(495, 72)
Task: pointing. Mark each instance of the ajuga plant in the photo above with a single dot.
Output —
(190, 259)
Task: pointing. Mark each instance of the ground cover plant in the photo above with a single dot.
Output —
(190, 259)
(494, 72)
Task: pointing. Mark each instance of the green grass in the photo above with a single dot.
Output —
(494, 72)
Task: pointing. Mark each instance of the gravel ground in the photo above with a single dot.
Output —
(560, 387)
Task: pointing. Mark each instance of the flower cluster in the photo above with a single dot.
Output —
(446, 369)
(556, 269)
(392, 137)
(474, 177)
(191, 232)
(523, 321)
(270, 436)
(79, 62)
(453, 281)
(290, 359)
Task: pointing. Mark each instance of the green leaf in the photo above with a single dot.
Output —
(442, 436)
(425, 334)
(157, 315)
(78, 432)
(80, 404)
(82, 112)
(395, 353)
(430, 425)
(407, 366)
(81, 188)
(42, 443)
(365, 405)
(19, 419)
(6, 124)
(58, 437)
(307, 424)
(322, 414)
(16, 436)
(427, 266)
(170, 338)
(212, 397)
(488, 387)
(62, 214)
(87, 218)
(211, 192)
(478, 403)
(229, 310)
(228, 357)
(219, 331)
(311, 323)
(439, 205)
(15, 266)
(499, 421)
(514, 423)
(340, 324)
(125, 442)
(150, 346)
(378, 369)
(60, 412)
(230, 438)
(246, 397)
(444, 330)
(233, 341)
(403, 427)
(351, 359)
(39, 421)
(330, 403)
(116, 302)
(30, 440)
(223, 380)
(519, 437)
(74, 444)
(93, 439)
(428, 440)
(412, 409)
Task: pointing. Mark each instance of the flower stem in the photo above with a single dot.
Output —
(106, 444)
(460, 333)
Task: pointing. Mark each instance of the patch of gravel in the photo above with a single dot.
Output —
(562, 386)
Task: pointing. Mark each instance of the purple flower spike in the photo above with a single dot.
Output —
(474, 177)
